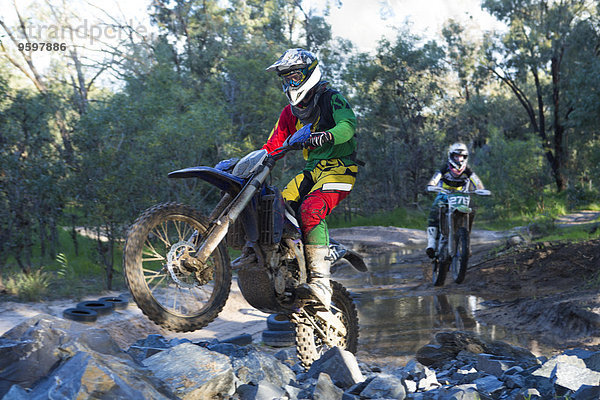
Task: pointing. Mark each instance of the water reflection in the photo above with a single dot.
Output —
(395, 323)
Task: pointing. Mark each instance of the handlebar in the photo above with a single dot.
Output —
(294, 142)
(480, 192)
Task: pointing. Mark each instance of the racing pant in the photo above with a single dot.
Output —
(315, 193)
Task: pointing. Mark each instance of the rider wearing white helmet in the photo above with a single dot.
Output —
(331, 168)
(455, 174)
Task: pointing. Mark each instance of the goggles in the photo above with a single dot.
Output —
(293, 78)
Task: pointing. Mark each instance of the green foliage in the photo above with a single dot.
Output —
(31, 286)
(515, 173)
(400, 217)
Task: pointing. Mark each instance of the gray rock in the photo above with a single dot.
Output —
(514, 381)
(433, 355)
(16, 392)
(267, 391)
(586, 392)
(287, 356)
(92, 375)
(429, 381)
(384, 386)
(253, 366)
(139, 353)
(465, 375)
(154, 340)
(547, 368)
(591, 358)
(493, 364)
(240, 340)
(409, 385)
(513, 370)
(192, 371)
(542, 384)
(460, 392)
(489, 385)
(340, 365)
(32, 349)
(360, 386)
(326, 390)
(177, 341)
(246, 391)
(572, 377)
(413, 370)
(293, 392)
(467, 357)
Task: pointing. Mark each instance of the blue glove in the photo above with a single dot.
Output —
(318, 139)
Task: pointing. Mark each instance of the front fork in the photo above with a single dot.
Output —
(221, 226)
(462, 220)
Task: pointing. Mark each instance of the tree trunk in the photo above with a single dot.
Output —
(560, 151)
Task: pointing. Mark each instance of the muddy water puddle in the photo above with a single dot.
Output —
(397, 316)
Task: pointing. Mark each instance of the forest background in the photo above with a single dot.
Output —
(78, 152)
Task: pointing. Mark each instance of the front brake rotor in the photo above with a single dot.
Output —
(174, 262)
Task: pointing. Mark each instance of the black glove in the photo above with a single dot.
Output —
(318, 139)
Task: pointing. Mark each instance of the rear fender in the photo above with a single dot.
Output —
(221, 179)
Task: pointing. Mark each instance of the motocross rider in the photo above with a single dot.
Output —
(453, 175)
(330, 170)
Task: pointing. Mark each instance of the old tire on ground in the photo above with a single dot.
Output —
(119, 303)
(279, 338)
(280, 322)
(153, 261)
(101, 307)
(310, 346)
(80, 314)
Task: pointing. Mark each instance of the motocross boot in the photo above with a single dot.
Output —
(431, 239)
(336, 251)
(318, 263)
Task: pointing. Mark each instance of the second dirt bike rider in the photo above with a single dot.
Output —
(455, 174)
(330, 172)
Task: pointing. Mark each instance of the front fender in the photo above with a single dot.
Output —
(221, 179)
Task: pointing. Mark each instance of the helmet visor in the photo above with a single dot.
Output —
(459, 157)
(293, 78)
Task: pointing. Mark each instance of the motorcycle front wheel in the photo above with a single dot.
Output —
(156, 264)
(309, 342)
(440, 267)
(461, 256)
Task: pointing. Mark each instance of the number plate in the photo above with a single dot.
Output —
(459, 200)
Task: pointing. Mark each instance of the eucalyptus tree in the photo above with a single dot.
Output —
(530, 59)
(396, 95)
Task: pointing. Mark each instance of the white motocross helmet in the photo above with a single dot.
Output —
(458, 164)
(299, 71)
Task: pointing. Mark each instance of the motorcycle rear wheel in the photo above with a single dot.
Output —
(169, 295)
(309, 344)
(460, 260)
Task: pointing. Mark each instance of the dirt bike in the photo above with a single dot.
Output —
(177, 266)
(452, 247)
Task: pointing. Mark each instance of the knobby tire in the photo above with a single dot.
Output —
(461, 256)
(139, 240)
(309, 345)
(440, 268)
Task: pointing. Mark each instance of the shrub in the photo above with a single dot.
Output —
(29, 286)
